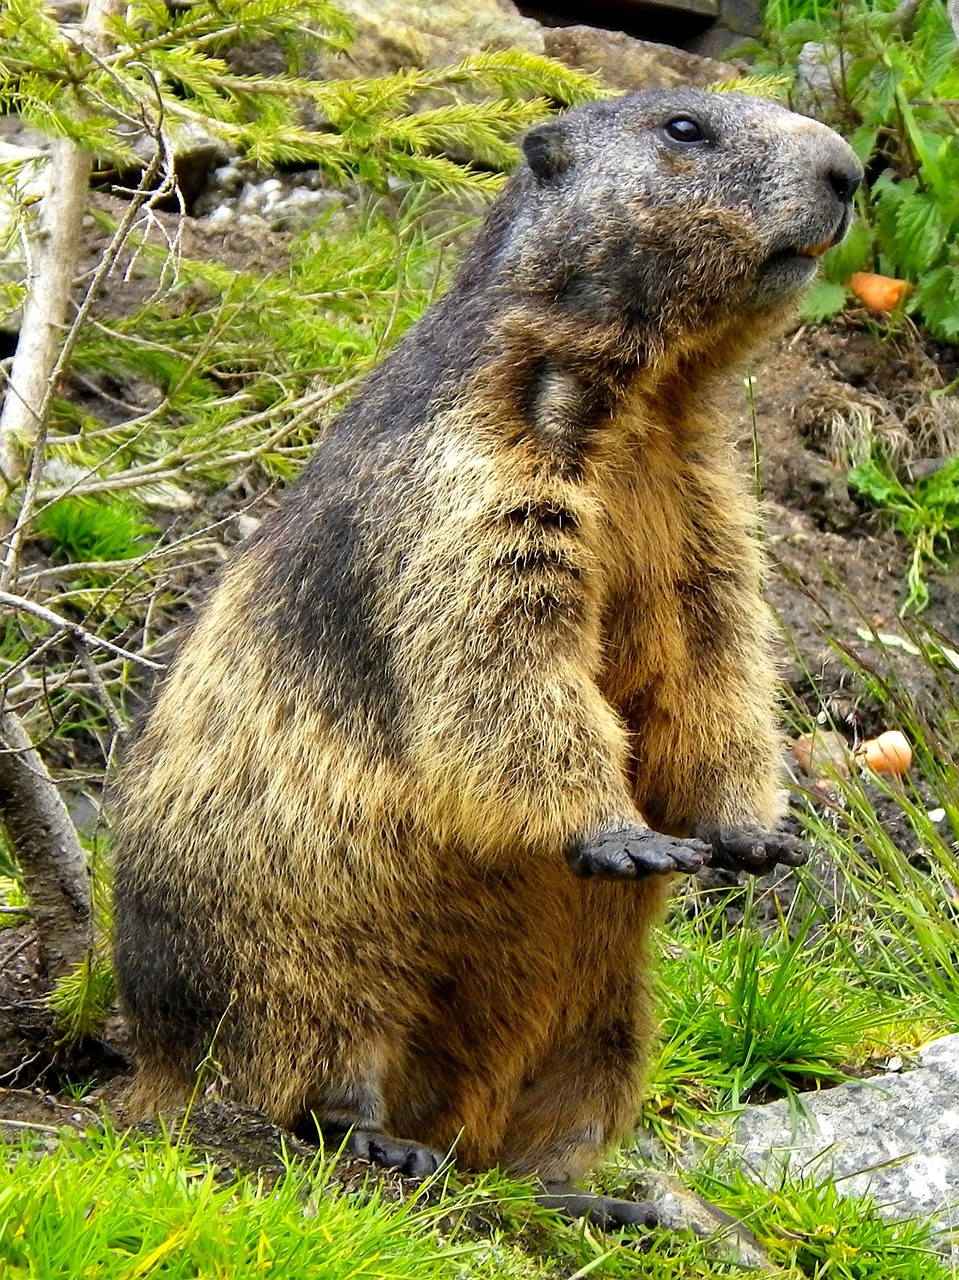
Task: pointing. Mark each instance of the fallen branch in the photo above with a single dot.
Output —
(44, 313)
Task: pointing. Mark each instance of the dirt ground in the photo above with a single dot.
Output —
(836, 567)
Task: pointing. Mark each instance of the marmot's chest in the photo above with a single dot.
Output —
(659, 536)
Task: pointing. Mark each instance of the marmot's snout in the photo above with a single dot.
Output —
(818, 178)
(838, 173)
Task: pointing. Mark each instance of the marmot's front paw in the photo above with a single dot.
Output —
(751, 849)
(630, 853)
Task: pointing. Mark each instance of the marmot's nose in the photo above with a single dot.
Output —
(844, 181)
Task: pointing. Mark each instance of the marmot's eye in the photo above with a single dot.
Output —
(684, 129)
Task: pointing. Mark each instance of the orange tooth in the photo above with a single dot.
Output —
(817, 250)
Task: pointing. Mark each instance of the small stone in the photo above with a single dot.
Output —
(822, 753)
(246, 525)
(679, 1209)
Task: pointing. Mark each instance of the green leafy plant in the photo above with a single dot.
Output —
(83, 997)
(886, 76)
(12, 893)
(926, 514)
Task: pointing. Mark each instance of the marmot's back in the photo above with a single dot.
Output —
(506, 628)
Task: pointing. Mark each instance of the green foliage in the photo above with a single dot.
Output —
(245, 365)
(898, 922)
(894, 90)
(169, 69)
(94, 529)
(12, 893)
(83, 997)
(887, 888)
(746, 1012)
(115, 1207)
(123, 1207)
(780, 13)
(807, 1223)
(926, 514)
(825, 299)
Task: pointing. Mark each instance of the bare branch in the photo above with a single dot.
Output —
(74, 629)
(45, 309)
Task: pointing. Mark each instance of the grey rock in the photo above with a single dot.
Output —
(392, 34)
(238, 193)
(738, 20)
(680, 1209)
(894, 1137)
(195, 153)
(626, 63)
(818, 80)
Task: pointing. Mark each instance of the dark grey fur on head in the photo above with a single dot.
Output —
(766, 187)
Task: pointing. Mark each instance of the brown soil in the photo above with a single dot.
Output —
(837, 569)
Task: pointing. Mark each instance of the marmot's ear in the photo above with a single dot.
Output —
(547, 150)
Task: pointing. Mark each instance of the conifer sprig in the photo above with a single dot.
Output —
(171, 69)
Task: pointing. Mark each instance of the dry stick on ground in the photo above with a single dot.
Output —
(85, 637)
(45, 309)
(29, 388)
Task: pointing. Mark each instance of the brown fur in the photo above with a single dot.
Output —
(352, 892)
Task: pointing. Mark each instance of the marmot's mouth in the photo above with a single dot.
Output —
(791, 267)
(816, 250)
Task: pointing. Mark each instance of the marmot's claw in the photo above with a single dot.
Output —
(411, 1158)
(751, 849)
(630, 853)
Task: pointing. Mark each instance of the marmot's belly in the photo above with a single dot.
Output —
(518, 970)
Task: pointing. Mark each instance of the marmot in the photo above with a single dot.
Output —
(391, 844)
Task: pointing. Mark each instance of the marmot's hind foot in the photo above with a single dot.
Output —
(410, 1158)
(604, 1212)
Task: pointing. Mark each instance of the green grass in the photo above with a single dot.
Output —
(749, 1012)
(122, 1207)
(807, 1225)
(109, 1206)
(92, 529)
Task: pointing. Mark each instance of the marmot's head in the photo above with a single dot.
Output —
(671, 213)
